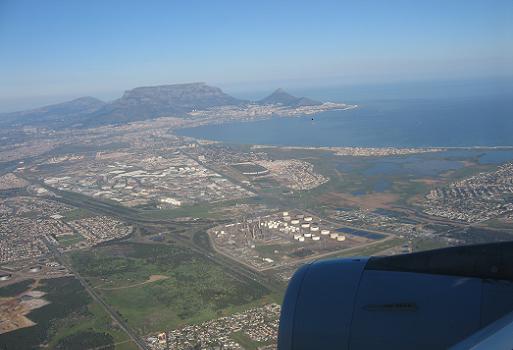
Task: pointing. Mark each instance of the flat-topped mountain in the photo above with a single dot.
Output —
(165, 100)
(282, 97)
(183, 97)
(140, 104)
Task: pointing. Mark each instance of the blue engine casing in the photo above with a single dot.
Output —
(428, 300)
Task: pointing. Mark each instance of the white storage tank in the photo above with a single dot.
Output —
(334, 235)
(308, 235)
(316, 238)
(308, 219)
(294, 222)
(35, 269)
(301, 239)
(314, 228)
(305, 225)
(285, 213)
(325, 232)
(341, 238)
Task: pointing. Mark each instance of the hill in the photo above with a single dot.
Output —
(61, 113)
(282, 97)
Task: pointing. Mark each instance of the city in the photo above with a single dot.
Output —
(260, 212)
(271, 175)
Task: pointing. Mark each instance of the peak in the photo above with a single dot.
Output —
(87, 99)
(281, 97)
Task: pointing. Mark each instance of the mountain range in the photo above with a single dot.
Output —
(141, 103)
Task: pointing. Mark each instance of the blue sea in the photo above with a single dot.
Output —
(400, 120)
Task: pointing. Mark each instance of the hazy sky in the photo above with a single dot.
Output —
(56, 49)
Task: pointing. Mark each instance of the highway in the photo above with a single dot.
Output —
(122, 324)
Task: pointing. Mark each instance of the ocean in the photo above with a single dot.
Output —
(435, 121)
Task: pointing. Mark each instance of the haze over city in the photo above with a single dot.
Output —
(53, 51)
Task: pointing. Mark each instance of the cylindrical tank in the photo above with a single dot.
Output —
(314, 228)
(308, 235)
(325, 232)
(316, 238)
(294, 222)
(35, 269)
(334, 235)
(305, 225)
(301, 239)
(308, 218)
(341, 238)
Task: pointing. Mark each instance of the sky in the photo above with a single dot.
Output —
(55, 50)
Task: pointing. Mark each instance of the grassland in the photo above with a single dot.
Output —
(76, 214)
(194, 290)
(69, 240)
(372, 249)
(72, 320)
(246, 342)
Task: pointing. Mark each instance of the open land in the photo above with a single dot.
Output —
(151, 240)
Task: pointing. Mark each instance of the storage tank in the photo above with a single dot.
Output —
(325, 232)
(314, 228)
(35, 269)
(334, 235)
(341, 238)
(301, 239)
(296, 236)
(305, 225)
(294, 222)
(316, 238)
(285, 213)
(308, 218)
(308, 235)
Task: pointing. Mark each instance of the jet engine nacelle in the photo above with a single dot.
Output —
(427, 300)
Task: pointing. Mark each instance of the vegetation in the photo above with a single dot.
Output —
(15, 288)
(76, 214)
(72, 320)
(371, 249)
(188, 289)
(86, 340)
(245, 341)
(66, 297)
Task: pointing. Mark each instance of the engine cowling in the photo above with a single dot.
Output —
(427, 300)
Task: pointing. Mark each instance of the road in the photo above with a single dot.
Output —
(113, 314)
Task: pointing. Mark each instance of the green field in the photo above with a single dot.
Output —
(192, 288)
(69, 240)
(77, 213)
(371, 249)
(72, 320)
